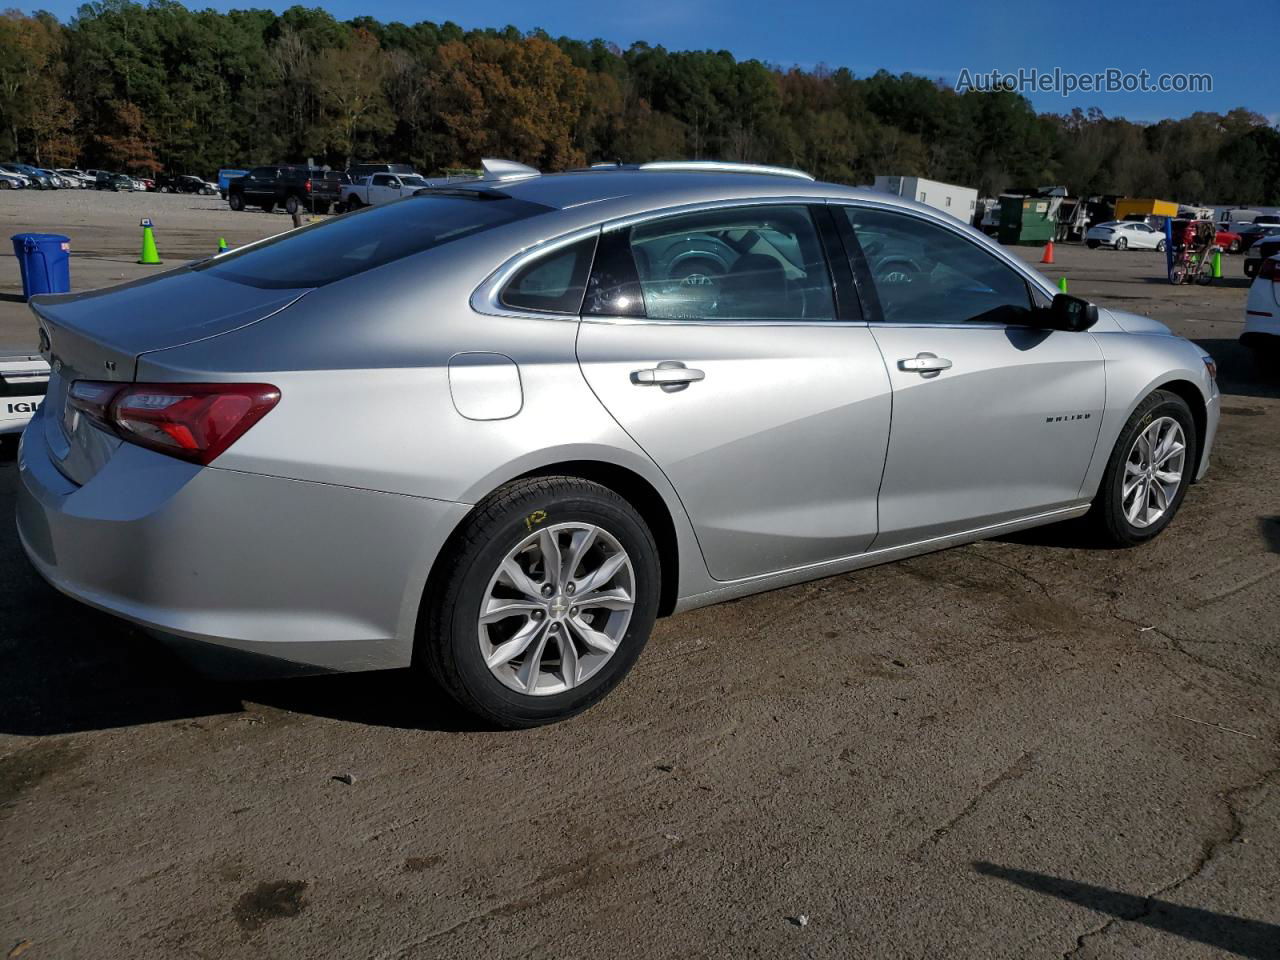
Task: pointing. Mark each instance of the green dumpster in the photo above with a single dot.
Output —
(1026, 220)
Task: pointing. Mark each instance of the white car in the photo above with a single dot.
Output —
(1262, 309)
(75, 178)
(23, 380)
(13, 181)
(1125, 233)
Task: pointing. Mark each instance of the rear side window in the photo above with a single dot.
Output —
(554, 283)
(343, 247)
(748, 263)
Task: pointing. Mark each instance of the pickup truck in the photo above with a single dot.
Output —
(291, 186)
(380, 188)
(24, 378)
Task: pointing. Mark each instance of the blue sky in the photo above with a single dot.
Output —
(937, 38)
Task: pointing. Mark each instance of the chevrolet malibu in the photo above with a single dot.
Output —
(492, 430)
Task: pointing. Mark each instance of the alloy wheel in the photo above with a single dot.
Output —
(1153, 472)
(557, 608)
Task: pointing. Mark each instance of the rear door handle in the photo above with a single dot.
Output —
(670, 375)
(925, 364)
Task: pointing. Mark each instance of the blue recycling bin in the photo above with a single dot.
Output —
(45, 262)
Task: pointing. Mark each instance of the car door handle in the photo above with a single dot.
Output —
(925, 364)
(670, 375)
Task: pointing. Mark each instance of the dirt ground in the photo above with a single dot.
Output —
(1017, 749)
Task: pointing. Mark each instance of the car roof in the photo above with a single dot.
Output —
(619, 192)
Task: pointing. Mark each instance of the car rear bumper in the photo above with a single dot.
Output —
(317, 575)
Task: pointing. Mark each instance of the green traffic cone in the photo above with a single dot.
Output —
(222, 244)
(1062, 284)
(1217, 264)
(149, 254)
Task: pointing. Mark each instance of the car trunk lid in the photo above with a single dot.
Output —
(100, 334)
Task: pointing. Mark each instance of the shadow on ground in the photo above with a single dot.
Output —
(1244, 938)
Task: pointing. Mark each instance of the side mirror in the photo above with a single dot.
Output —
(1070, 313)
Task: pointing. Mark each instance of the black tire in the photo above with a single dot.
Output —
(1106, 516)
(1235, 247)
(235, 201)
(164, 189)
(1091, 244)
(1160, 247)
(447, 645)
(1122, 243)
(268, 207)
(353, 203)
(291, 205)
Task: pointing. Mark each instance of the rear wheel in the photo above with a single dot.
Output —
(1122, 243)
(1160, 248)
(291, 205)
(235, 201)
(1147, 476)
(547, 598)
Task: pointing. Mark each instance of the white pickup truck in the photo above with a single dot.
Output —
(23, 380)
(380, 188)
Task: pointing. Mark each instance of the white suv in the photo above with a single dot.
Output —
(23, 379)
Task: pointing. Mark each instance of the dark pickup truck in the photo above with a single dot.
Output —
(291, 186)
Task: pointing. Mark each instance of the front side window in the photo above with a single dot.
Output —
(925, 273)
(741, 263)
(554, 283)
(381, 180)
(335, 249)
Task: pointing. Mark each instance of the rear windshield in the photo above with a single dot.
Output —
(342, 247)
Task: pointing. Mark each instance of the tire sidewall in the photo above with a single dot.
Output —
(1159, 404)
(457, 622)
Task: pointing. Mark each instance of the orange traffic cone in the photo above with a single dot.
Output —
(1048, 253)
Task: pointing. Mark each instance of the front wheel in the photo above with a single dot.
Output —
(1122, 243)
(291, 205)
(1160, 247)
(546, 598)
(1147, 476)
(235, 201)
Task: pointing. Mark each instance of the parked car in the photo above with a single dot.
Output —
(1262, 309)
(289, 185)
(37, 179)
(225, 176)
(23, 380)
(535, 440)
(185, 183)
(118, 182)
(1262, 250)
(1252, 233)
(380, 188)
(13, 181)
(358, 171)
(74, 178)
(1125, 233)
(146, 182)
(1228, 240)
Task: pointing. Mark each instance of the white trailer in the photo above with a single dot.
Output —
(960, 202)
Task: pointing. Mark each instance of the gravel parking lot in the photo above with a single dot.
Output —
(1022, 748)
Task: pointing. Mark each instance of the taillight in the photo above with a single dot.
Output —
(191, 421)
(307, 186)
(1270, 269)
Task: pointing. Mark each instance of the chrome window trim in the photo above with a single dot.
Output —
(996, 251)
(487, 298)
(621, 223)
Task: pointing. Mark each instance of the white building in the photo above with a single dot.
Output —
(960, 202)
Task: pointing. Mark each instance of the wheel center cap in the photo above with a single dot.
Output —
(558, 607)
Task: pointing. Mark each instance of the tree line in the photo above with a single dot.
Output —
(156, 87)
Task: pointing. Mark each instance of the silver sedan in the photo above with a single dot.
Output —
(494, 429)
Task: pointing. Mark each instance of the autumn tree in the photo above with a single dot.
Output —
(349, 85)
